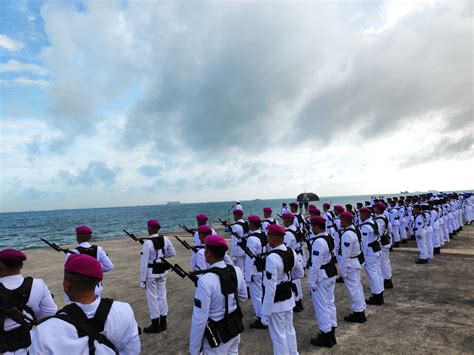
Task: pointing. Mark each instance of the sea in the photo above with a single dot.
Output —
(23, 230)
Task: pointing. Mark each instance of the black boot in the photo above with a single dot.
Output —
(387, 283)
(412, 237)
(257, 324)
(340, 280)
(163, 324)
(333, 335)
(396, 245)
(298, 306)
(154, 327)
(323, 339)
(376, 299)
(356, 317)
(421, 261)
(436, 250)
(404, 241)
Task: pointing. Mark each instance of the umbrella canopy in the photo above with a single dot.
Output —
(308, 196)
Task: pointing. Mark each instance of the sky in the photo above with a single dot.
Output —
(114, 103)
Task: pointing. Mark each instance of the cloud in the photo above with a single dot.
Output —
(10, 44)
(96, 172)
(149, 170)
(22, 81)
(15, 66)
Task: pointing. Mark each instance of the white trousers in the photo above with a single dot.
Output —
(396, 233)
(403, 231)
(239, 262)
(374, 272)
(283, 333)
(355, 289)
(299, 289)
(256, 294)
(429, 245)
(385, 265)
(436, 238)
(156, 297)
(446, 231)
(324, 305)
(421, 244)
(231, 347)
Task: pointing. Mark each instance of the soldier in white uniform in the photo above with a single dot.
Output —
(239, 227)
(268, 219)
(281, 267)
(283, 209)
(200, 260)
(112, 325)
(83, 237)
(383, 226)
(30, 297)
(322, 281)
(201, 221)
(292, 234)
(420, 234)
(335, 230)
(402, 212)
(215, 292)
(254, 268)
(238, 206)
(394, 218)
(153, 276)
(372, 253)
(350, 268)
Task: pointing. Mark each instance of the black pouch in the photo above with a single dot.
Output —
(361, 258)
(15, 339)
(385, 239)
(260, 264)
(159, 268)
(375, 245)
(283, 292)
(330, 268)
(224, 329)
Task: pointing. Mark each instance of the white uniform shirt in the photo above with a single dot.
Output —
(197, 241)
(237, 251)
(394, 216)
(102, 256)
(275, 275)
(202, 264)
(56, 336)
(290, 240)
(368, 236)
(418, 224)
(266, 223)
(379, 219)
(320, 255)
(209, 302)
(255, 246)
(150, 254)
(284, 210)
(350, 249)
(40, 301)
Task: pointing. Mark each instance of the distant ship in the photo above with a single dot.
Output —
(404, 192)
(173, 203)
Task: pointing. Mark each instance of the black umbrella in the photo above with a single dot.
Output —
(308, 196)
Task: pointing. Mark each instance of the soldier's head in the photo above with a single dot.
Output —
(201, 219)
(153, 226)
(359, 205)
(294, 207)
(288, 218)
(216, 247)
(267, 212)
(203, 232)
(313, 210)
(338, 209)
(326, 206)
(346, 219)
(82, 273)
(83, 234)
(11, 262)
(318, 224)
(365, 213)
(238, 214)
(276, 235)
(349, 207)
(255, 222)
(379, 207)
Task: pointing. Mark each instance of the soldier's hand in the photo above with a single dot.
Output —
(265, 320)
(143, 284)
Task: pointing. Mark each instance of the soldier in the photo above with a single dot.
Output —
(394, 218)
(278, 302)
(267, 214)
(201, 221)
(371, 249)
(89, 324)
(350, 266)
(22, 294)
(200, 260)
(335, 230)
(420, 234)
(256, 243)
(216, 304)
(83, 237)
(383, 226)
(293, 239)
(153, 276)
(426, 210)
(241, 228)
(402, 212)
(322, 281)
(283, 209)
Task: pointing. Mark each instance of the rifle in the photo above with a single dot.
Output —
(57, 247)
(186, 244)
(224, 223)
(135, 238)
(14, 313)
(187, 229)
(245, 249)
(180, 271)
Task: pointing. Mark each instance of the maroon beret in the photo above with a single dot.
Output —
(202, 217)
(339, 208)
(346, 215)
(83, 230)
(294, 204)
(153, 223)
(275, 229)
(312, 208)
(365, 210)
(267, 209)
(239, 212)
(204, 229)
(288, 215)
(216, 241)
(254, 218)
(12, 254)
(379, 205)
(326, 205)
(318, 220)
(84, 265)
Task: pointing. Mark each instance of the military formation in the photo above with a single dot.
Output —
(267, 263)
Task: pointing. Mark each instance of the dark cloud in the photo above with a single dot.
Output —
(96, 172)
(461, 148)
(149, 170)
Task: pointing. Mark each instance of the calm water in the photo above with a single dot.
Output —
(23, 229)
